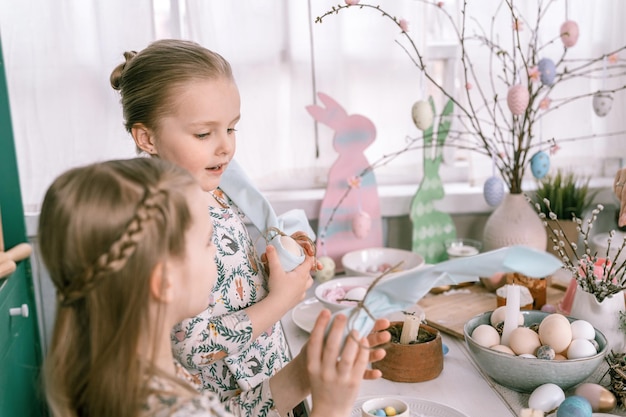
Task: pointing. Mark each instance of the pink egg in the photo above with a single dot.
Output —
(517, 99)
(361, 224)
(569, 33)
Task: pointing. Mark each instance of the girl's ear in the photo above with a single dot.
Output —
(160, 287)
(143, 138)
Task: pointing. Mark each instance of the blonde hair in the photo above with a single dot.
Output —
(148, 80)
(102, 230)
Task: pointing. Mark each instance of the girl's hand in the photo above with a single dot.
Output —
(308, 246)
(335, 374)
(288, 288)
(619, 188)
(377, 338)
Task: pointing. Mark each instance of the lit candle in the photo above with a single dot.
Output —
(511, 312)
(410, 329)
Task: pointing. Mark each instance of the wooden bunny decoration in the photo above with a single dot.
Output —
(349, 217)
(431, 227)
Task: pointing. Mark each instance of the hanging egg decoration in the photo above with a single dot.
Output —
(540, 164)
(328, 269)
(547, 71)
(422, 115)
(569, 33)
(517, 99)
(602, 103)
(493, 190)
(361, 224)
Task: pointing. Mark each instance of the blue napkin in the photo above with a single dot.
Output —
(404, 289)
(242, 191)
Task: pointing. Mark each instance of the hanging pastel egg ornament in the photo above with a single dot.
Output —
(602, 103)
(574, 406)
(493, 190)
(328, 269)
(422, 114)
(540, 164)
(361, 224)
(569, 33)
(547, 71)
(517, 99)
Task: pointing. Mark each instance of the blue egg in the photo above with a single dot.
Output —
(547, 71)
(379, 412)
(445, 348)
(540, 164)
(493, 191)
(574, 406)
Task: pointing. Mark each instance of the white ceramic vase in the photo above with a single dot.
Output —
(603, 316)
(514, 222)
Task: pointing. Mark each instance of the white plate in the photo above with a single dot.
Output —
(417, 408)
(305, 313)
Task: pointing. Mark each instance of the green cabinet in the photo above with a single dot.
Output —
(20, 351)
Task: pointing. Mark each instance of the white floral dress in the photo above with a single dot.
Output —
(216, 346)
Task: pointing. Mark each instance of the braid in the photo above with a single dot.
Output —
(121, 250)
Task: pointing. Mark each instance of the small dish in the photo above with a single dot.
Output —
(417, 407)
(400, 408)
(305, 313)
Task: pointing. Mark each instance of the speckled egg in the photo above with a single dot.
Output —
(602, 103)
(361, 224)
(493, 190)
(574, 406)
(569, 33)
(422, 115)
(547, 71)
(517, 99)
(546, 352)
(540, 164)
(328, 269)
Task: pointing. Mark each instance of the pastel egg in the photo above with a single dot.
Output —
(540, 164)
(485, 335)
(498, 315)
(517, 99)
(582, 329)
(569, 33)
(361, 224)
(328, 269)
(291, 245)
(546, 397)
(422, 114)
(356, 293)
(602, 103)
(600, 398)
(555, 331)
(493, 191)
(580, 348)
(547, 71)
(574, 406)
(523, 340)
(503, 349)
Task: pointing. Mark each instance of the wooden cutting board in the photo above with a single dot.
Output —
(449, 311)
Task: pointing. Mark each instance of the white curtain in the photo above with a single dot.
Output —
(59, 55)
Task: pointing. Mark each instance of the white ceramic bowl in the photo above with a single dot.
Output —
(401, 407)
(526, 374)
(328, 292)
(373, 261)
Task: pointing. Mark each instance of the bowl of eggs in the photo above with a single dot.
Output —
(385, 407)
(342, 292)
(375, 261)
(545, 348)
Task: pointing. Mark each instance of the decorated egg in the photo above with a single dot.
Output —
(328, 269)
(361, 224)
(600, 398)
(540, 164)
(547, 71)
(574, 406)
(493, 190)
(517, 99)
(569, 33)
(602, 103)
(546, 397)
(422, 115)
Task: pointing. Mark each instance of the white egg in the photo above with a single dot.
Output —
(546, 397)
(580, 348)
(356, 293)
(486, 335)
(582, 329)
(328, 269)
(422, 114)
(527, 356)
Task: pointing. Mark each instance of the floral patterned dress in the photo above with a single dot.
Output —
(216, 346)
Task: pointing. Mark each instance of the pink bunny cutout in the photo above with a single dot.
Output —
(349, 217)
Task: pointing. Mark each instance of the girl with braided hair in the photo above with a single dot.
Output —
(129, 248)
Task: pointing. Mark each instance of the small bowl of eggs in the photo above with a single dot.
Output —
(342, 292)
(384, 407)
(545, 348)
(375, 261)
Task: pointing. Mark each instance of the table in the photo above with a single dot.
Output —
(460, 385)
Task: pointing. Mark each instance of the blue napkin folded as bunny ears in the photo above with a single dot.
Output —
(242, 191)
(404, 289)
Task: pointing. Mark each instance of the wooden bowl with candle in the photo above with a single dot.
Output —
(416, 360)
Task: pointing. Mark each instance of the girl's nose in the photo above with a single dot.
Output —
(226, 144)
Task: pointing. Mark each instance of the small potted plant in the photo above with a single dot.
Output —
(569, 196)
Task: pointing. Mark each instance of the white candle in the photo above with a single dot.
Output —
(511, 312)
(410, 329)
(459, 251)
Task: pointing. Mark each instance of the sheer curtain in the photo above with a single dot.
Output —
(59, 55)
